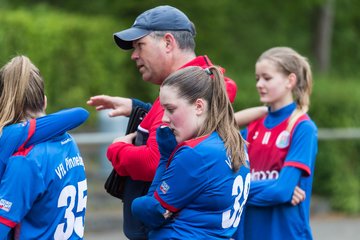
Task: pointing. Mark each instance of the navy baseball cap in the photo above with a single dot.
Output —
(160, 18)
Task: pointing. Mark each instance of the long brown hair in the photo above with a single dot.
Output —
(21, 91)
(193, 83)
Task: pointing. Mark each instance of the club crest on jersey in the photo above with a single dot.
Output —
(164, 187)
(5, 205)
(283, 139)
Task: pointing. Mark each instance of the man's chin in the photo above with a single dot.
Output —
(146, 79)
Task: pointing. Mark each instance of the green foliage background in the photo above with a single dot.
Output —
(71, 42)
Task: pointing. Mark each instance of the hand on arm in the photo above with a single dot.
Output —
(298, 196)
(120, 106)
(245, 116)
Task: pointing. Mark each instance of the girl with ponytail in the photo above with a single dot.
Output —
(282, 149)
(36, 181)
(21, 97)
(209, 161)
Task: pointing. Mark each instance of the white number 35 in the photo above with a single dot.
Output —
(239, 189)
(72, 223)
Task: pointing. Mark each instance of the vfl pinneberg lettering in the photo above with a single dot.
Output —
(68, 164)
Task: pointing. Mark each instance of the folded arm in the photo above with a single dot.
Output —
(4, 231)
(149, 211)
(274, 192)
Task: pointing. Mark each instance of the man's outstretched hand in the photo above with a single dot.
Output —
(120, 106)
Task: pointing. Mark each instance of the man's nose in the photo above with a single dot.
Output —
(134, 55)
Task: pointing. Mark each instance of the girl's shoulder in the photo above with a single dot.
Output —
(305, 122)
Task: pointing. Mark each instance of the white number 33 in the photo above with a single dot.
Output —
(239, 189)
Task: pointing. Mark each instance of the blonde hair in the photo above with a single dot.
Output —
(21, 91)
(193, 83)
(289, 61)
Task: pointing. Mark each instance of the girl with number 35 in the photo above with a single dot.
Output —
(43, 190)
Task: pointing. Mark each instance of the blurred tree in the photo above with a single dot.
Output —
(245, 27)
(323, 35)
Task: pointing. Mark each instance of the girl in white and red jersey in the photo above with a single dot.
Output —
(282, 149)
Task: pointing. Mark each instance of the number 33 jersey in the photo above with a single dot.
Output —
(200, 187)
(43, 192)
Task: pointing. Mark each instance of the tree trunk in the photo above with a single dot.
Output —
(323, 36)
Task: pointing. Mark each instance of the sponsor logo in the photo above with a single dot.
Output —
(283, 139)
(264, 175)
(164, 187)
(5, 205)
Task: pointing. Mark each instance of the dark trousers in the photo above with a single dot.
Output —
(133, 228)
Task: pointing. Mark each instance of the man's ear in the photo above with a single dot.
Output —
(170, 42)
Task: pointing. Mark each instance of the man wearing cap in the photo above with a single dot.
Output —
(162, 41)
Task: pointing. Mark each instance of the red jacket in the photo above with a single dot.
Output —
(140, 162)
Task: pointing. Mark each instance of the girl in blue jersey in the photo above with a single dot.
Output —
(282, 149)
(15, 133)
(17, 136)
(200, 190)
(37, 182)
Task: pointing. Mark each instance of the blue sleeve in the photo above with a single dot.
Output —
(183, 169)
(149, 211)
(303, 147)
(272, 192)
(12, 137)
(244, 133)
(4, 231)
(57, 123)
(137, 102)
(166, 141)
(183, 180)
(158, 175)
